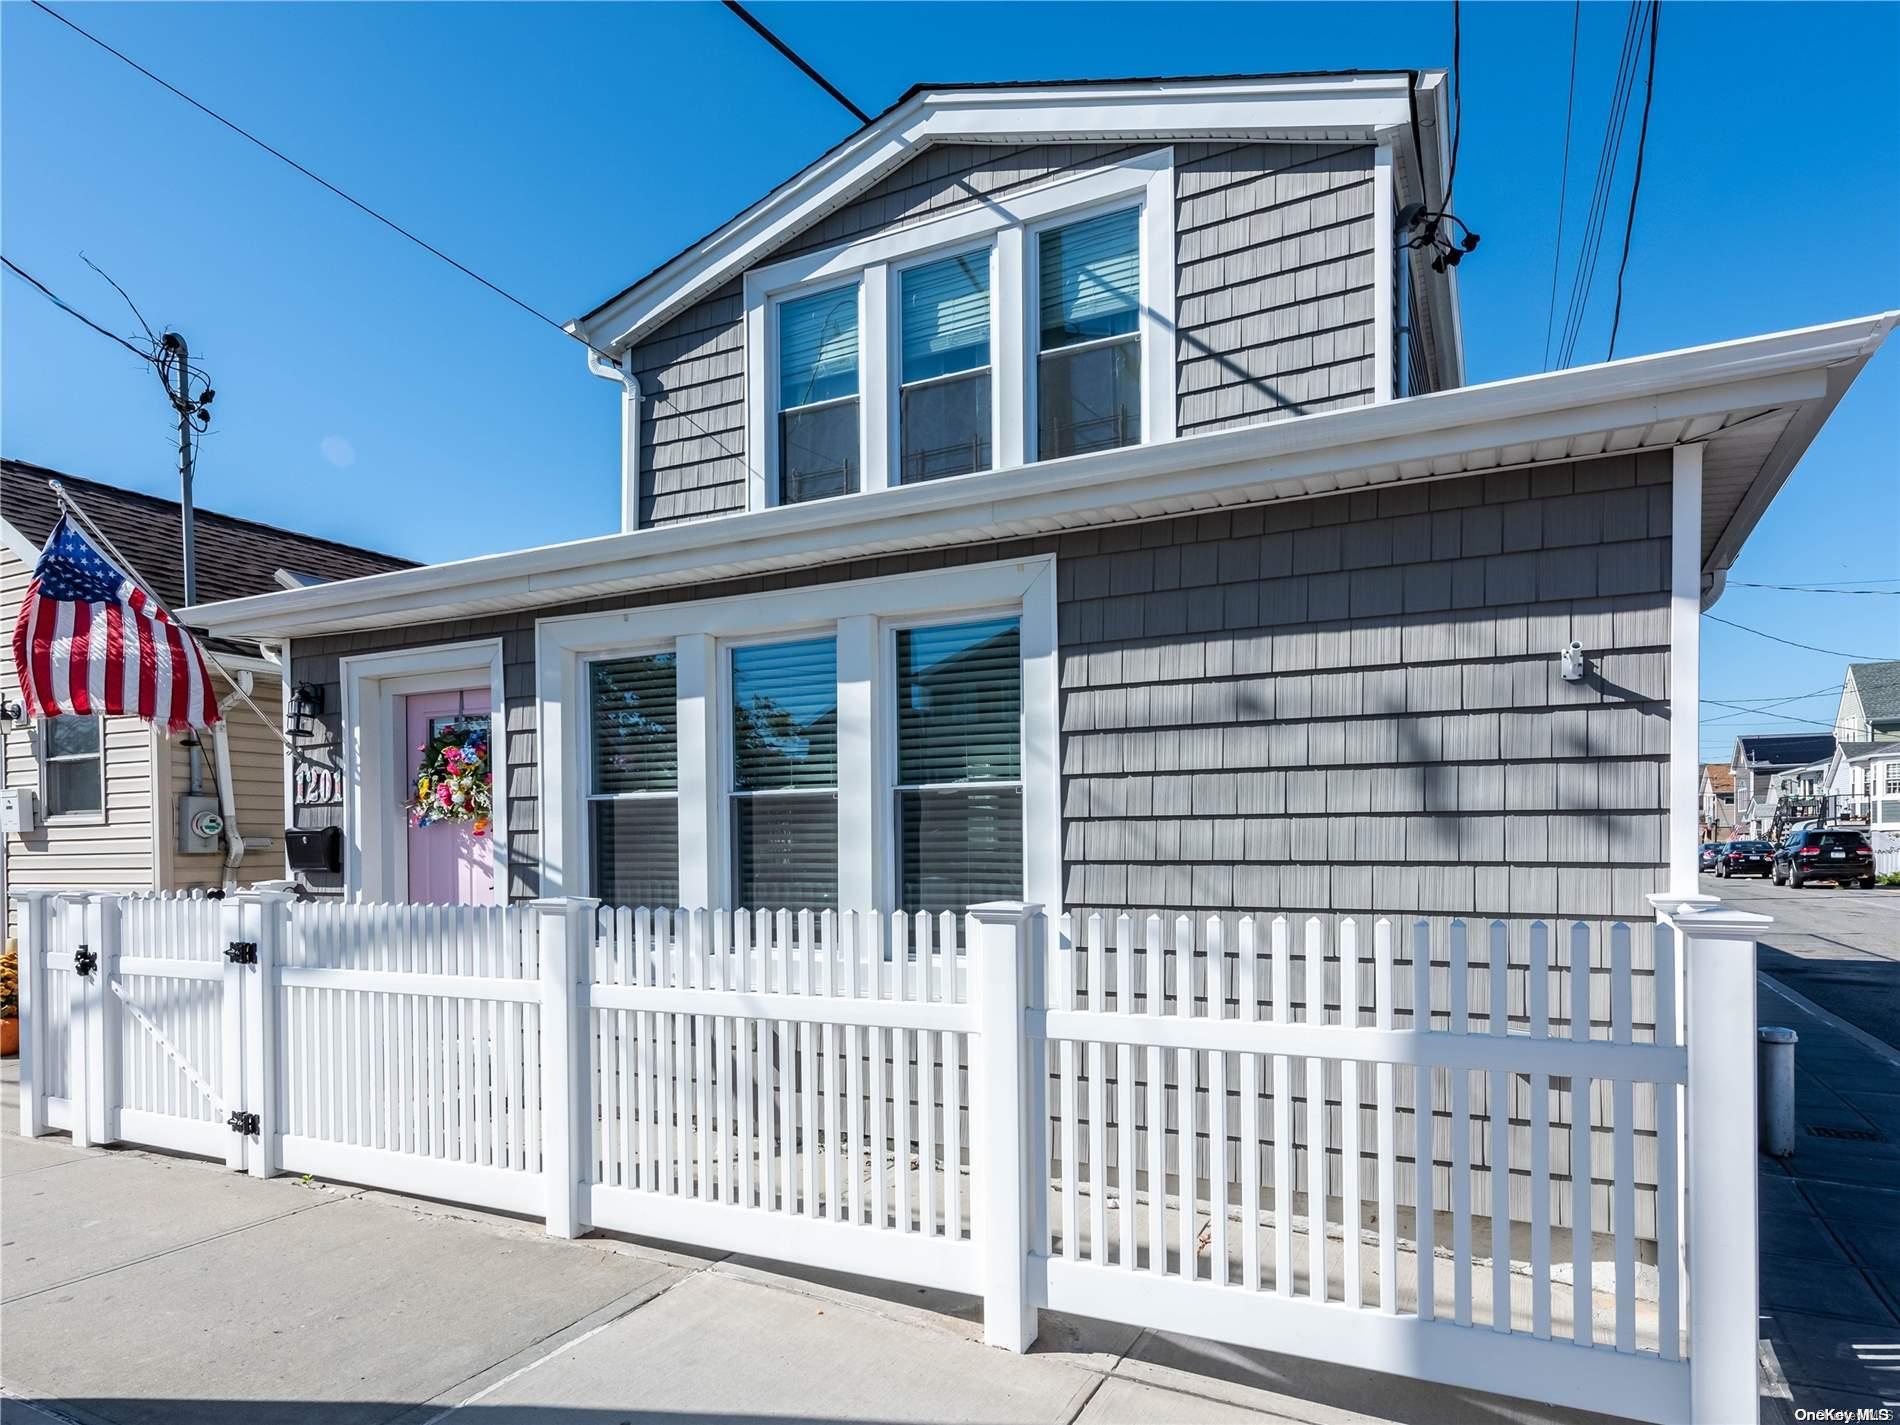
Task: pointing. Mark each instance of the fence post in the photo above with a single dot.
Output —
(105, 1037)
(232, 1030)
(1718, 946)
(81, 1017)
(1004, 946)
(565, 931)
(268, 915)
(33, 1005)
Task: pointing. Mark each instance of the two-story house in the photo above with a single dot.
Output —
(1769, 771)
(1072, 492)
(1870, 703)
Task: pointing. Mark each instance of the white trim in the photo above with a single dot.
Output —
(1685, 665)
(21, 546)
(1384, 298)
(1334, 108)
(857, 613)
(374, 739)
(1519, 422)
(1006, 225)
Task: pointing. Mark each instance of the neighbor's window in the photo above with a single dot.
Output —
(818, 396)
(944, 395)
(959, 797)
(1088, 378)
(785, 775)
(1892, 779)
(633, 791)
(75, 767)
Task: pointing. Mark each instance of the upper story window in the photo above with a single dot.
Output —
(74, 766)
(818, 436)
(1088, 370)
(944, 415)
(1033, 325)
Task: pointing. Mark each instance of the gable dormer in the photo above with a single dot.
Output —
(988, 277)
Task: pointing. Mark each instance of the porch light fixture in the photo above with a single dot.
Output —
(306, 701)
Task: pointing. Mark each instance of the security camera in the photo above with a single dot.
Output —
(1572, 657)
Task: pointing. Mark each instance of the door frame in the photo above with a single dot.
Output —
(375, 762)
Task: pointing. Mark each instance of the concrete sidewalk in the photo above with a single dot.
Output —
(146, 1290)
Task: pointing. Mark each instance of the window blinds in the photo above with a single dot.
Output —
(946, 316)
(785, 715)
(959, 703)
(1090, 279)
(818, 348)
(635, 714)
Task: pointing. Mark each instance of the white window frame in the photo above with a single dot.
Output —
(589, 796)
(862, 615)
(887, 884)
(1889, 780)
(894, 394)
(1007, 224)
(43, 747)
(768, 440)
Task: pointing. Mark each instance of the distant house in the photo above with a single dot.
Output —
(1762, 764)
(1870, 703)
(1863, 789)
(1718, 801)
(102, 794)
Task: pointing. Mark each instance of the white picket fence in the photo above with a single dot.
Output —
(1244, 1130)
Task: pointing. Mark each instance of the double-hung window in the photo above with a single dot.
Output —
(1088, 376)
(784, 801)
(944, 392)
(959, 793)
(818, 436)
(633, 793)
(74, 766)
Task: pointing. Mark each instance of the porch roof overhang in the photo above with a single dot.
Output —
(1755, 404)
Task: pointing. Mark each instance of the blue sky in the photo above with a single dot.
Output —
(370, 393)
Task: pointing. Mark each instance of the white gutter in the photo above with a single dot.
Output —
(1302, 455)
(629, 435)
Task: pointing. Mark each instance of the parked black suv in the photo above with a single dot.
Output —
(1838, 856)
(1745, 858)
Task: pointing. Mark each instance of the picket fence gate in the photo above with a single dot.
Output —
(1127, 1117)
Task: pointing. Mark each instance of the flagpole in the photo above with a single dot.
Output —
(71, 507)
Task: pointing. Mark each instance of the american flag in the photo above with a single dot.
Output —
(89, 640)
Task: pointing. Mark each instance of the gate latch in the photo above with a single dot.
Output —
(84, 961)
(242, 952)
(244, 1123)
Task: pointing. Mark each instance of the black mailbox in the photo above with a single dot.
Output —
(318, 848)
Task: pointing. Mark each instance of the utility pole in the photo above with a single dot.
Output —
(181, 399)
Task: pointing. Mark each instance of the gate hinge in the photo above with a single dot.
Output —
(241, 952)
(84, 961)
(245, 1123)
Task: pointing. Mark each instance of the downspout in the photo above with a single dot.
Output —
(629, 434)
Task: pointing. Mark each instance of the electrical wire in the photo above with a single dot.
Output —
(1818, 589)
(73, 311)
(758, 28)
(1584, 278)
(1636, 182)
(1457, 102)
(1831, 652)
(1563, 186)
(1772, 717)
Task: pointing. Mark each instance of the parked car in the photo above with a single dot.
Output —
(1838, 856)
(1745, 858)
(1711, 851)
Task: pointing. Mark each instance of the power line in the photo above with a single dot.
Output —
(796, 58)
(1831, 652)
(1563, 186)
(1584, 278)
(1818, 589)
(1636, 182)
(1457, 101)
(1772, 717)
(73, 311)
(356, 203)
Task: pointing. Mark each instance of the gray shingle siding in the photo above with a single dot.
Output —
(1274, 298)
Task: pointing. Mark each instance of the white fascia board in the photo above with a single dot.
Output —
(22, 548)
(1344, 108)
(1297, 456)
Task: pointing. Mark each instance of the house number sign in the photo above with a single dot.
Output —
(311, 785)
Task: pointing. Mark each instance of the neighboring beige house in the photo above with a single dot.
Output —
(1718, 801)
(101, 796)
(1870, 703)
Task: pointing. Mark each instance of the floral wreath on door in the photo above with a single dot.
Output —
(453, 782)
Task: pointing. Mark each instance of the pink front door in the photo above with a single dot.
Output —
(448, 863)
